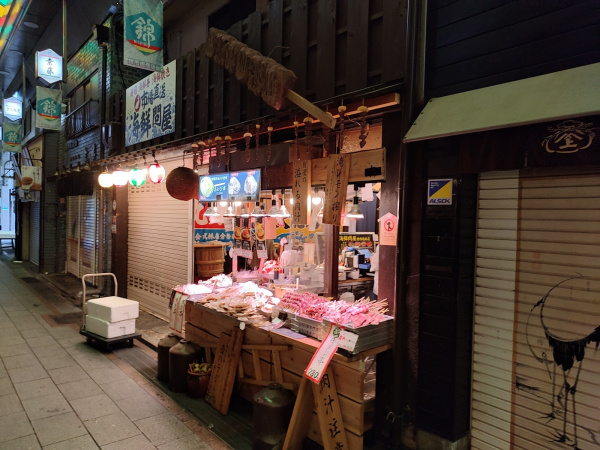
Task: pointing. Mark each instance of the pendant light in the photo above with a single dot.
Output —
(120, 177)
(245, 212)
(283, 212)
(355, 212)
(211, 211)
(105, 179)
(137, 177)
(258, 210)
(230, 212)
(273, 211)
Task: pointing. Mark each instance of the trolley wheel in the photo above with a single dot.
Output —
(130, 343)
(89, 340)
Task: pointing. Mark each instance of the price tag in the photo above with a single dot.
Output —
(262, 254)
(320, 360)
(347, 340)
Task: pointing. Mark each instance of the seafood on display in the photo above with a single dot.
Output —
(360, 313)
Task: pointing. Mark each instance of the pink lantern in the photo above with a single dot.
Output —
(156, 172)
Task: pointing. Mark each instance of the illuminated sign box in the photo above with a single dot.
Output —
(13, 108)
(49, 66)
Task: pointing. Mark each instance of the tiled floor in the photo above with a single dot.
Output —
(56, 392)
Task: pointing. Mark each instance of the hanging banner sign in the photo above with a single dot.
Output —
(49, 66)
(213, 186)
(150, 106)
(338, 170)
(12, 137)
(300, 192)
(31, 178)
(143, 46)
(13, 108)
(388, 230)
(47, 108)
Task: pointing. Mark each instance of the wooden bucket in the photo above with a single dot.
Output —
(209, 260)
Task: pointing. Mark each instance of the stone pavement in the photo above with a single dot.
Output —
(56, 392)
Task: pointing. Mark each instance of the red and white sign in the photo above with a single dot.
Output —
(388, 230)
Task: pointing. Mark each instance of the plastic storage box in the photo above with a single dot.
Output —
(108, 329)
(113, 309)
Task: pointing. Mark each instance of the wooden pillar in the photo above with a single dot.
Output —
(119, 208)
(332, 239)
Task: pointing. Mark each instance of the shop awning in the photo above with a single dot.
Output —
(554, 96)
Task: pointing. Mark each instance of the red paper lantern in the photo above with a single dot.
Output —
(156, 173)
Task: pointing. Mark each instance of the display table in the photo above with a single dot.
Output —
(9, 235)
(204, 326)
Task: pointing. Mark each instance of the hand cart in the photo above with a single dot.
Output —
(91, 337)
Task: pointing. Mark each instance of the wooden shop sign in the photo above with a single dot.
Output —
(338, 169)
(300, 192)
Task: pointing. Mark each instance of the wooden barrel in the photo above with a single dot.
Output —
(209, 260)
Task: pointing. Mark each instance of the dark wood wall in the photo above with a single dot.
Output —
(446, 310)
(477, 44)
(337, 48)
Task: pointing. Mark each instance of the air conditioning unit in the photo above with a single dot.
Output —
(112, 136)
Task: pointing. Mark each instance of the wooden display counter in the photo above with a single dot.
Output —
(204, 326)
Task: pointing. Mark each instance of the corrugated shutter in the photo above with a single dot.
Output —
(82, 231)
(538, 246)
(34, 232)
(159, 245)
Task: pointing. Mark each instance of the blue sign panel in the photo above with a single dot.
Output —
(212, 186)
(244, 185)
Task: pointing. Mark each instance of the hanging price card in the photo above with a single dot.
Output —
(320, 360)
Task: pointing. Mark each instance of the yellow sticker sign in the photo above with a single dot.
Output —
(439, 192)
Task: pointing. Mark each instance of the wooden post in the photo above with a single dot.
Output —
(332, 243)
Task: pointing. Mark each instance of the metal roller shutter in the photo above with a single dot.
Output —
(34, 232)
(537, 309)
(159, 245)
(82, 231)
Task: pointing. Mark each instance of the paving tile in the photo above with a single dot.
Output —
(140, 407)
(14, 426)
(192, 442)
(107, 374)
(6, 386)
(118, 390)
(79, 389)
(93, 407)
(40, 341)
(56, 362)
(67, 374)
(13, 350)
(3, 372)
(36, 388)
(49, 405)
(93, 362)
(28, 442)
(49, 350)
(38, 332)
(14, 362)
(139, 442)
(63, 332)
(163, 428)
(12, 340)
(23, 374)
(51, 430)
(112, 428)
(10, 404)
(79, 443)
(71, 342)
(13, 306)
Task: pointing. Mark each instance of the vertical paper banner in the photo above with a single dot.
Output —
(338, 170)
(12, 137)
(143, 41)
(300, 192)
(47, 108)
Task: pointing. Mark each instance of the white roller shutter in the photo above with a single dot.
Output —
(536, 233)
(159, 245)
(82, 231)
(34, 232)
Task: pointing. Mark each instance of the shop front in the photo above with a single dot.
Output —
(510, 274)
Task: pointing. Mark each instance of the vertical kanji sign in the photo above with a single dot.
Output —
(338, 170)
(150, 106)
(300, 192)
(47, 108)
(143, 40)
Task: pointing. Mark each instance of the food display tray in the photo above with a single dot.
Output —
(308, 327)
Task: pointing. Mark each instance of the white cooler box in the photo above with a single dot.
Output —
(109, 329)
(113, 309)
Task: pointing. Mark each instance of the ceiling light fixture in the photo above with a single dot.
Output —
(31, 25)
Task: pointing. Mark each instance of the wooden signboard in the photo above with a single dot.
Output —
(338, 169)
(300, 192)
(220, 386)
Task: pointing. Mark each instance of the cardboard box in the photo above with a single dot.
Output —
(113, 309)
(108, 329)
